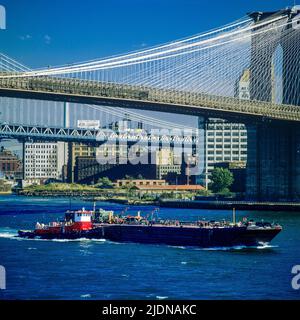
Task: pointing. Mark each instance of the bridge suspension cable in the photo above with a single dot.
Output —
(241, 61)
(10, 65)
(162, 52)
(151, 121)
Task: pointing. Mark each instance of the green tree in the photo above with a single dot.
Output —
(4, 186)
(105, 182)
(221, 180)
(130, 190)
(203, 193)
(128, 177)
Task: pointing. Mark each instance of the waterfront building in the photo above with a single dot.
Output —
(87, 168)
(44, 160)
(191, 188)
(141, 182)
(10, 164)
(78, 150)
(225, 142)
(167, 164)
(156, 186)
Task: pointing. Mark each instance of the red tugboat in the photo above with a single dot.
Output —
(77, 224)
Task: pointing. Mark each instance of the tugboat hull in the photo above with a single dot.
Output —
(89, 234)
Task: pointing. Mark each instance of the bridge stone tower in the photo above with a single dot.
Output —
(273, 167)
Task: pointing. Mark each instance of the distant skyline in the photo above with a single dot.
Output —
(41, 33)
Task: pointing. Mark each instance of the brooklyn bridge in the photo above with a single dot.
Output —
(247, 71)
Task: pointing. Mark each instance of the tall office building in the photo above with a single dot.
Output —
(167, 164)
(243, 86)
(78, 150)
(44, 160)
(225, 142)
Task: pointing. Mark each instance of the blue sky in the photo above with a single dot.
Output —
(41, 33)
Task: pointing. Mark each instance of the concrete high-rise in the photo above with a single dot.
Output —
(44, 160)
(224, 142)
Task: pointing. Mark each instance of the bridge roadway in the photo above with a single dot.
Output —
(23, 132)
(144, 98)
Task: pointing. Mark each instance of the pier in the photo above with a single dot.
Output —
(228, 205)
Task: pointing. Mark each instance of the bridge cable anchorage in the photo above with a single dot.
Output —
(239, 68)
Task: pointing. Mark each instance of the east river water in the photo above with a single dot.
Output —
(96, 269)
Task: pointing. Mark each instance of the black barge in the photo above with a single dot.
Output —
(205, 234)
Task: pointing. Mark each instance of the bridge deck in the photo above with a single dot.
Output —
(189, 102)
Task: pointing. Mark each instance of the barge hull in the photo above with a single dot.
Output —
(169, 235)
(184, 236)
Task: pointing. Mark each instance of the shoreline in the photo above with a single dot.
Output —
(187, 204)
(85, 196)
(5, 193)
